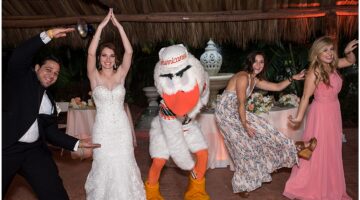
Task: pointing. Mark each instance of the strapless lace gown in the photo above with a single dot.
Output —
(114, 174)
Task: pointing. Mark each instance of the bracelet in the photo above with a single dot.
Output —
(50, 33)
(291, 79)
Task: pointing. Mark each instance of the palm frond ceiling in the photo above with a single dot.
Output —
(191, 22)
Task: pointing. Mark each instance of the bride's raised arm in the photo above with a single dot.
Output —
(126, 61)
(91, 59)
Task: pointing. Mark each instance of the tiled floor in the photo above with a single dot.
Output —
(173, 181)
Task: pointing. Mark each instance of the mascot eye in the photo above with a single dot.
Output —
(181, 72)
(170, 76)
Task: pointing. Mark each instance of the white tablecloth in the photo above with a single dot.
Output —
(80, 122)
(217, 152)
(278, 117)
(218, 155)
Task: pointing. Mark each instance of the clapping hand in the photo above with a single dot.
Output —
(114, 20)
(106, 19)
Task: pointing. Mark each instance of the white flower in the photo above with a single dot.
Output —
(77, 103)
(289, 100)
(257, 103)
(90, 102)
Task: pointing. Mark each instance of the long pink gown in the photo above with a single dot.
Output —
(322, 177)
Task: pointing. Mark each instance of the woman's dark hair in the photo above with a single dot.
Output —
(250, 60)
(43, 60)
(100, 49)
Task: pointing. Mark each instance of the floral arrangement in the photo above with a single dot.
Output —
(258, 103)
(289, 100)
(78, 103)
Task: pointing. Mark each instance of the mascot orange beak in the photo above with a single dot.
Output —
(182, 102)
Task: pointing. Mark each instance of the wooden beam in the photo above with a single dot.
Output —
(227, 16)
(29, 17)
(330, 20)
(345, 11)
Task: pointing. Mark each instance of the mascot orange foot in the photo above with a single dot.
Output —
(196, 190)
(153, 192)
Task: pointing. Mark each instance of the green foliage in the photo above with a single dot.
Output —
(285, 61)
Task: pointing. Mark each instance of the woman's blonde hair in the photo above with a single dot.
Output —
(316, 65)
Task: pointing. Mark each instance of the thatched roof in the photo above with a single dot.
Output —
(191, 22)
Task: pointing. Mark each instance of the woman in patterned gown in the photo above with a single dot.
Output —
(255, 146)
(322, 177)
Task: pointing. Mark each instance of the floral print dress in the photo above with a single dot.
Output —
(254, 158)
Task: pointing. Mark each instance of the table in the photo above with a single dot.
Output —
(80, 122)
(218, 155)
(278, 117)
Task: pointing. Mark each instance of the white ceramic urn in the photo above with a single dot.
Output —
(211, 59)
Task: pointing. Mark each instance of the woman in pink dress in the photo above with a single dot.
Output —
(322, 177)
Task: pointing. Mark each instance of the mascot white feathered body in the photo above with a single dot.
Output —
(184, 87)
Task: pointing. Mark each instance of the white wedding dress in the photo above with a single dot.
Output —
(114, 174)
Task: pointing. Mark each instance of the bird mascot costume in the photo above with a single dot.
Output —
(183, 85)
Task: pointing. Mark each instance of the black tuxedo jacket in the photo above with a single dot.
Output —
(22, 95)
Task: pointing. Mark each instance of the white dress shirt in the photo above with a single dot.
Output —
(32, 134)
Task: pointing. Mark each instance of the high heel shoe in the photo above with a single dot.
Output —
(304, 151)
(312, 144)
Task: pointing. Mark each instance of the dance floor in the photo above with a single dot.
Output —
(173, 181)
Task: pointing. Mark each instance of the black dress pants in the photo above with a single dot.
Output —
(35, 163)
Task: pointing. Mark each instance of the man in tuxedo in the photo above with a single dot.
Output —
(29, 120)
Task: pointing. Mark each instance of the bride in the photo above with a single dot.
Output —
(114, 174)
